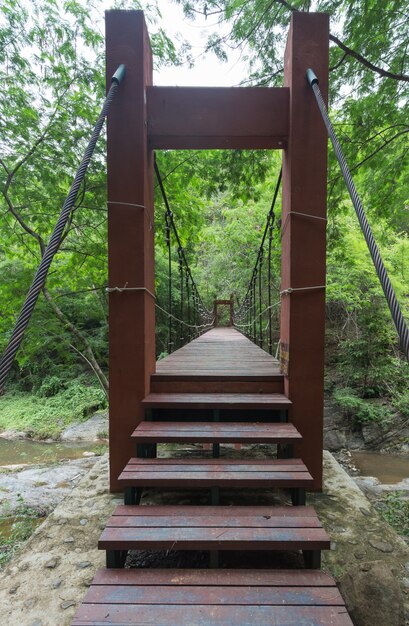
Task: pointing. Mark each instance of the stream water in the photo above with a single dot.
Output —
(13, 452)
(388, 469)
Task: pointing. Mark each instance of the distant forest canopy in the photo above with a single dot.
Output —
(52, 77)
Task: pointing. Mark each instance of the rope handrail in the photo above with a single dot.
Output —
(396, 313)
(56, 236)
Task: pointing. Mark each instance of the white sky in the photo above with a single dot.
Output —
(207, 70)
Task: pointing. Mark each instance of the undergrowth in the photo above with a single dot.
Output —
(394, 508)
(16, 528)
(47, 412)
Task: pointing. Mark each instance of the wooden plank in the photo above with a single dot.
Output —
(217, 117)
(221, 464)
(209, 577)
(218, 521)
(217, 400)
(224, 478)
(222, 432)
(188, 595)
(214, 538)
(207, 510)
(210, 615)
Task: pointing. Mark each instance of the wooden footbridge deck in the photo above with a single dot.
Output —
(218, 389)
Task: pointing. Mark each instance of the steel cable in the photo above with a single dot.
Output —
(388, 290)
(55, 239)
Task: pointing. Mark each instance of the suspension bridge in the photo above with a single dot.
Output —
(248, 383)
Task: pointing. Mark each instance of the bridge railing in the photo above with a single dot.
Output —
(257, 317)
(184, 313)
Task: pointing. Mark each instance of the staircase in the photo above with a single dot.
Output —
(195, 400)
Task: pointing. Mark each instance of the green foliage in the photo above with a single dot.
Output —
(362, 411)
(16, 529)
(51, 69)
(394, 508)
(46, 416)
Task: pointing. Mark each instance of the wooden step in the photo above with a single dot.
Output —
(216, 432)
(283, 528)
(272, 401)
(177, 381)
(283, 473)
(212, 598)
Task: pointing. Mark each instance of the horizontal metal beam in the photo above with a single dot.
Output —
(217, 117)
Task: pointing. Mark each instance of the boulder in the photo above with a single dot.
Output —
(334, 440)
(373, 595)
(90, 430)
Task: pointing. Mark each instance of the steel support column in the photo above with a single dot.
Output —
(130, 234)
(304, 236)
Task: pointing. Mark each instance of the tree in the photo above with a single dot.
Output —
(51, 65)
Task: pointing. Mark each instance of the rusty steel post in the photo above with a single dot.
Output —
(304, 236)
(130, 235)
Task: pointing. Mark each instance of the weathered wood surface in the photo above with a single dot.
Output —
(220, 352)
(202, 473)
(221, 531)
(213, 598)
(207, 510)
(210, 615)
(222, 432)
(271, 401)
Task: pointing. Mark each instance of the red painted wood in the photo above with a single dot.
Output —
(206, 510)
(208, 577)
(244, 596)
(203, 117)
(199, 480)
(130, 234)
(217, 400)
(183, 432)
(303, 238)
(274, 465)
(215, 615)
(219, 521)
(221, 538)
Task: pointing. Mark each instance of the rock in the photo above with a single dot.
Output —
(84, 564)
(373, 433)
(372, 593)
(369, 485)
(13, 434)
(67, 603)
(36, 622)
(42, 488)
(382, 546)
(87, 431)
(57, 583)
(52, 563)
(86, 453)
(83, 521)
(334, 440)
